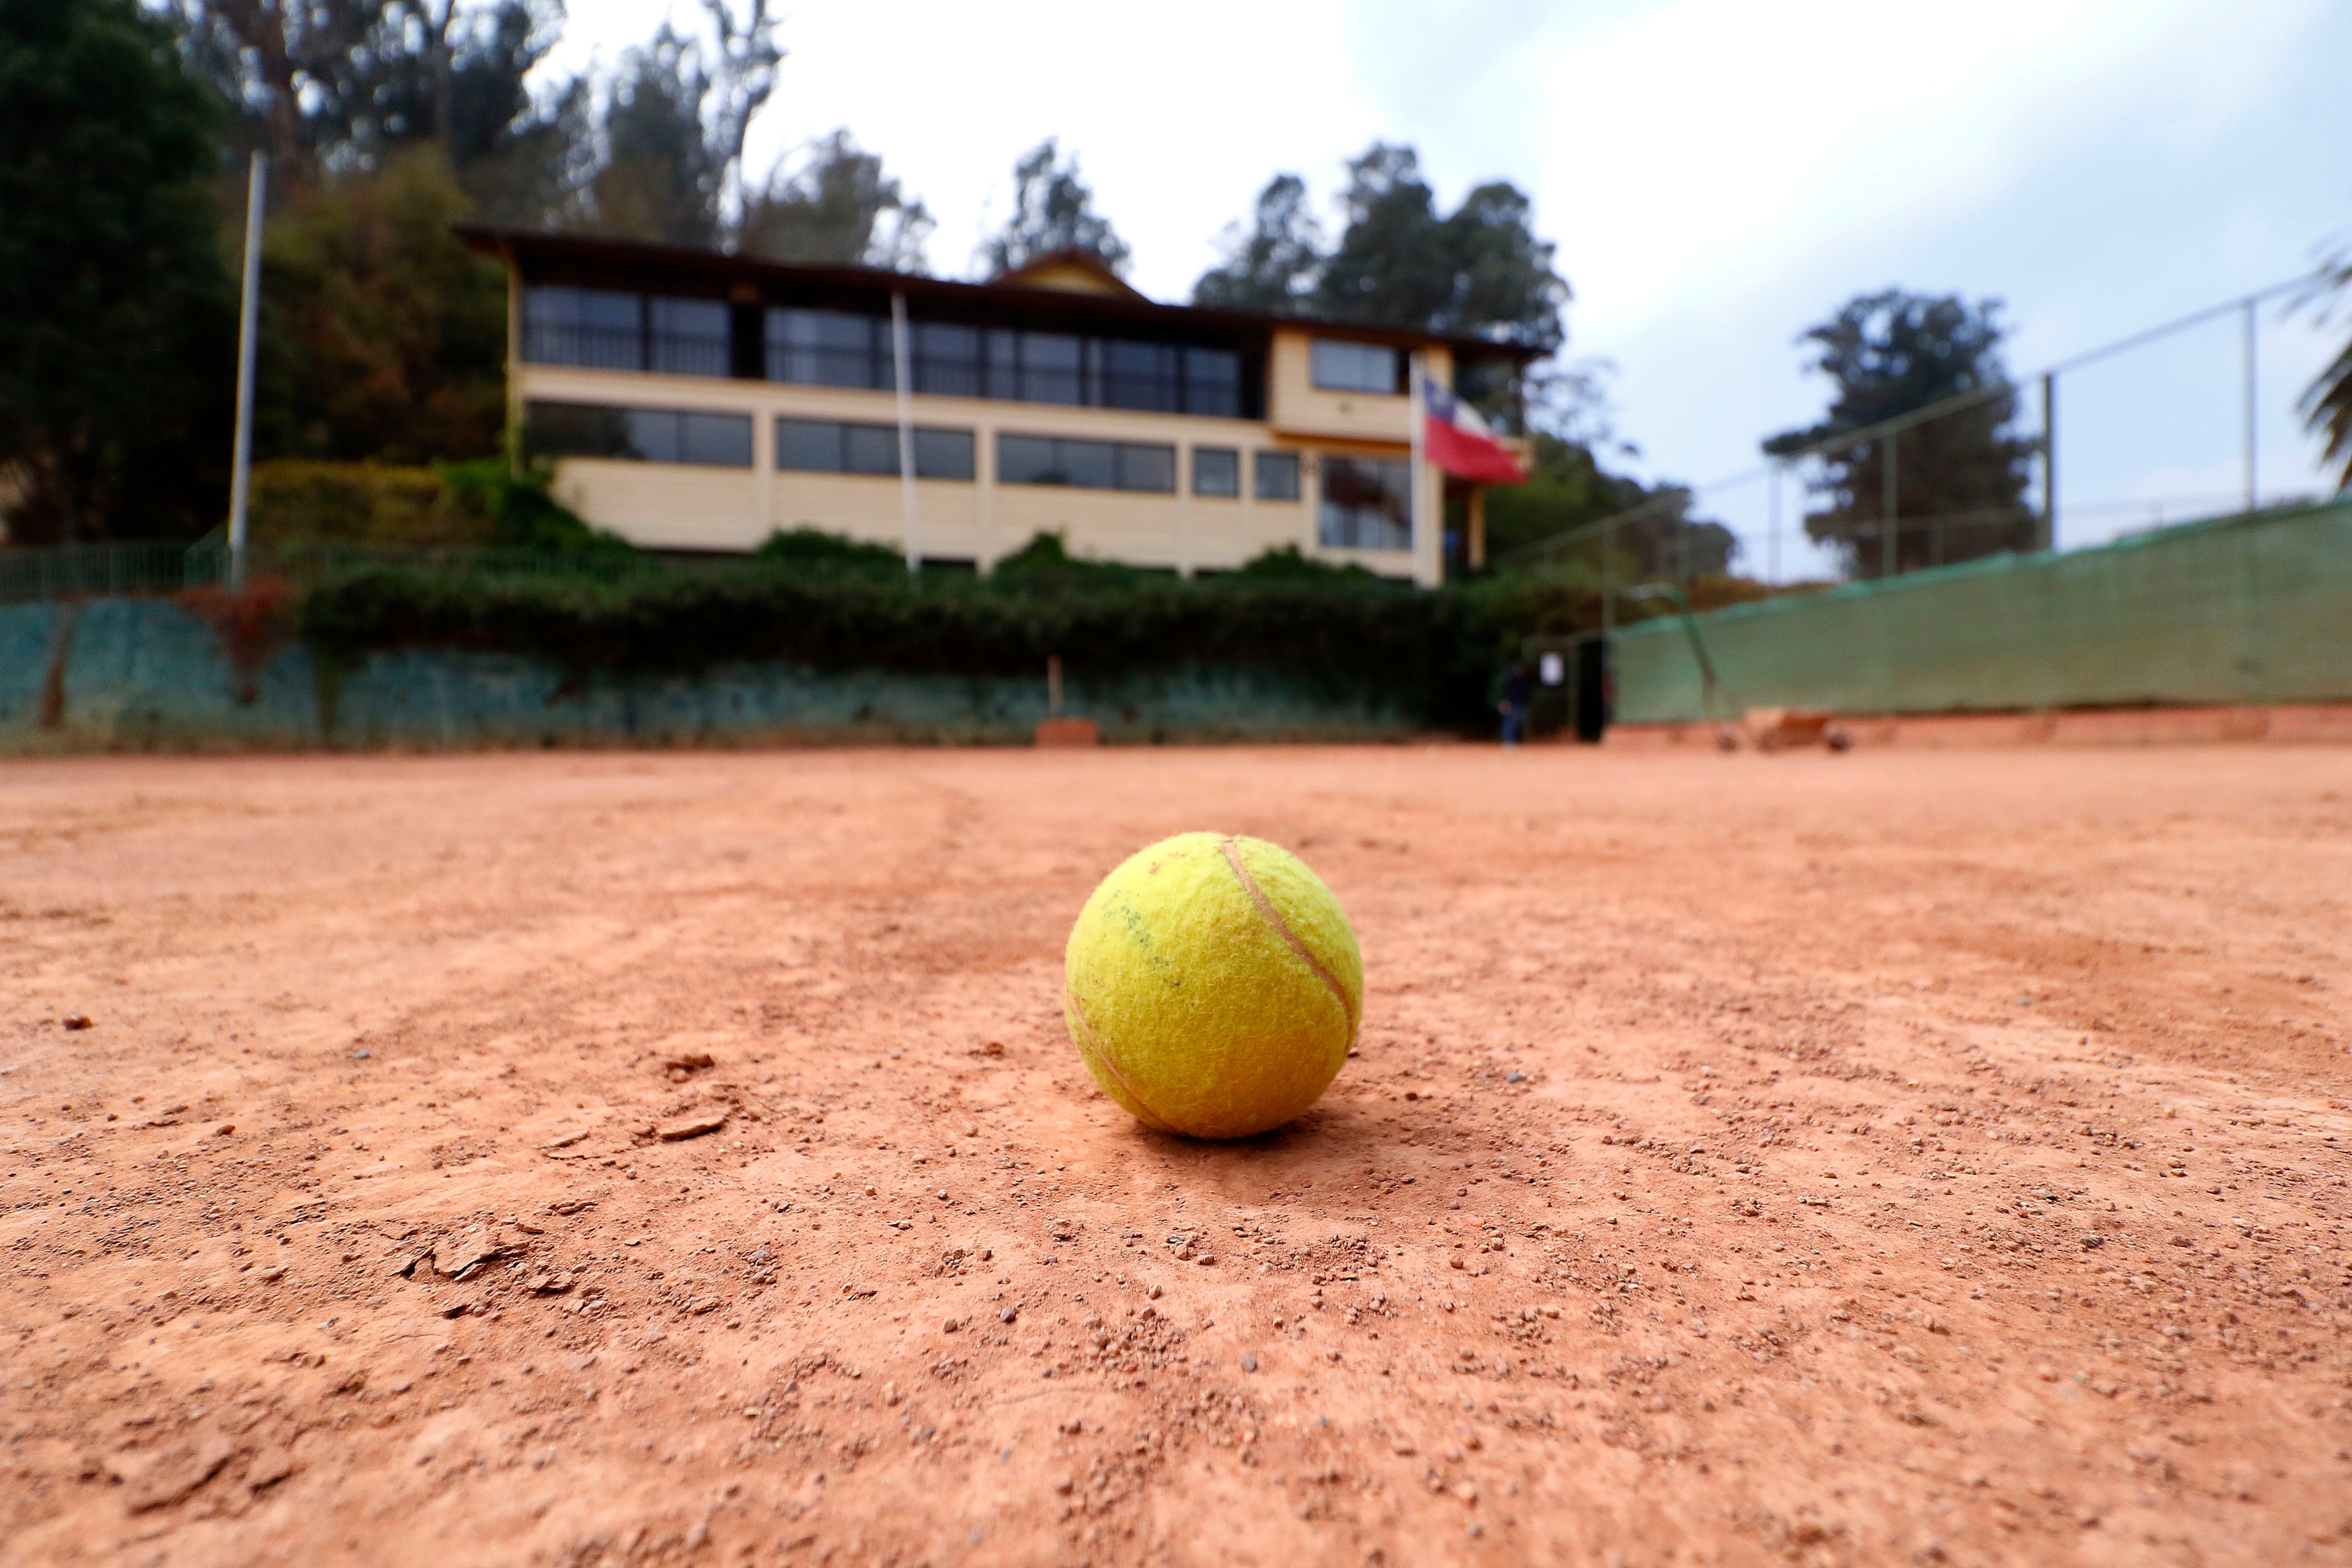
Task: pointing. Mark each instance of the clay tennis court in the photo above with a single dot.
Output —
(602, 1159)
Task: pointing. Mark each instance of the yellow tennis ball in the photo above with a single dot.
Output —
(1213, 985)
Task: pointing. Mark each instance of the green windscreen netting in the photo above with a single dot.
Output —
(2245, 609)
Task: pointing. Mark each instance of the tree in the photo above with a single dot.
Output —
(1567, 490)
(117, 320)
(675, 125)
(383, 336)
(1960, 477)
(660, 178)
(291, 73)
(338, 85)
(837, 207)
(1480, 270)
(1053, 209)
(2327, 403)
(1274, 264)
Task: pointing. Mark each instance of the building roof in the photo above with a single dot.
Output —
(1058, 274)
(1071, 270)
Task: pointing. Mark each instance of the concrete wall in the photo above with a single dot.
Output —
(146, 675)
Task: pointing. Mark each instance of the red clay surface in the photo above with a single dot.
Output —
(1897, 1157)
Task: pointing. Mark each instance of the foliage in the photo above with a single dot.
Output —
(1271, 266)
(1046, 563)
(339, 84)
(837, 207)
(1429, 653)
(1480, 270)
(1891, 354)
(2328, 403)
(523, 512)
(1287, 564)
(1053, 209)
(383, 336)
(1567, 490)
(812, 548)
(482, 504)
(116, 319)
(333, 85)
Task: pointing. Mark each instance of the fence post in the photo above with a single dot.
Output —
(1886, 522)
(2050, 459)
(2252, 489)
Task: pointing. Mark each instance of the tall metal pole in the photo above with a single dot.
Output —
(903, 376)
(2251, 492)
(1773, 532)
(2049, 460)
(1886, 522)
(240, 473)
(1417, 418)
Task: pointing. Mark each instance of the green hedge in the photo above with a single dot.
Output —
(1432, 653)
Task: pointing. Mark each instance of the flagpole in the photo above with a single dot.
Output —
(1418, 413)
(904, 381)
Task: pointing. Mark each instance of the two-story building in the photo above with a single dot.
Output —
(694, 401)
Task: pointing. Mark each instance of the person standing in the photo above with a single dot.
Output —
(1519, 692)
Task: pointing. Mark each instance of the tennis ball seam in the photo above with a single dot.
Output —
(1102, 1054)
(1282, 928)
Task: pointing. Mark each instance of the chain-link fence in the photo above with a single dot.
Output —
(2251, 608)
(2196, 417)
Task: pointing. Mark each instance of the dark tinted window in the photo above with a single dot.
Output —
(1366, 504)
(1140, 375)
(718, 440)
(1053, 368)
(596, 328)
(576, 430)
(944, 454)
(690, 337)
(834, 446)
(1342, 366)
(809, 446)
(1213, 383)
(1277, 475)
(1027, 460)
(1216, 472)
(1146, 468)
(647, 435)
(829, 348)
(949, 361)
(1086, 464)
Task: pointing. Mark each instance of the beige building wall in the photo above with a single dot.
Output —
(692, 508)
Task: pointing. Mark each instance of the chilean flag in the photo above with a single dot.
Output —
(1458, 441)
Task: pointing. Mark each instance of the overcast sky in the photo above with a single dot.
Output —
(1717, 174)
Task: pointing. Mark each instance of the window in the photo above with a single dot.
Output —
(691, 337)
(1213, 383)
(1342, 366)
(644, 434)
(1367, 504)
(1053, 368)
(832, 447)
(1086, 464)
(947, 360)
(595, 329)
(1216, 472)
(1277, 475)
(829, 348)
(1140, 375)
